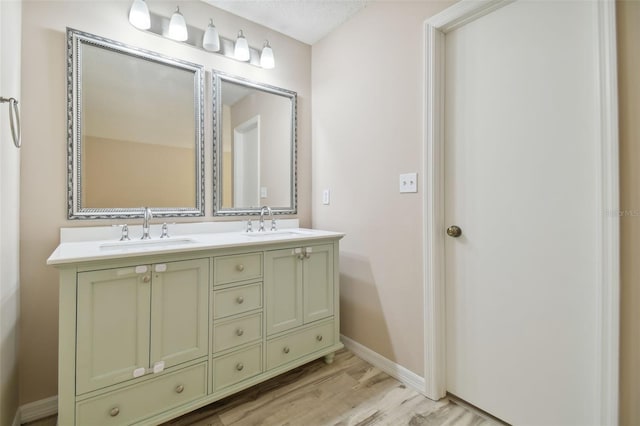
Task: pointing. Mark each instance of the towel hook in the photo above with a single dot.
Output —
(14, 120)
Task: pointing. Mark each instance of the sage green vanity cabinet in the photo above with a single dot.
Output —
(299, 286)
(132, 319)
(149, 337)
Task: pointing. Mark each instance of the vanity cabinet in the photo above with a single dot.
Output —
(134, 319)
(299, 286)
(149, 337)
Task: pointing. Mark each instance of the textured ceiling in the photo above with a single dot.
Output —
(305, 20)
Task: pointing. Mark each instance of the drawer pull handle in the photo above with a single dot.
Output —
(239, 300)
(239, 366)
(286, 349)
(146, 278)
(240, 267)
(239, 332)
(319, 337)
(179, 388)
(114, 411)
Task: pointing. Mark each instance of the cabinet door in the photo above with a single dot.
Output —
(318, 282)
(113, 326)
(283, 290)
(179, 311)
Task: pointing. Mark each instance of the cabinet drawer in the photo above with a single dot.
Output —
(242, 267)
(237, 366)
(298, 344)
(129, 405)
(229, 334)
(236, 300)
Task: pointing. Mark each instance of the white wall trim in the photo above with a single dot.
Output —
(609, 226)
(435, 29)
(396, 371)
(37, 410)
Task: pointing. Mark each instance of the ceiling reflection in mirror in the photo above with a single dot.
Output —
(137, 136)
(255, 151)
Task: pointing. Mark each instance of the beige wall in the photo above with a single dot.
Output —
(9, 213)
(113, 176)
(367, 118)
(43, 177)
(628, 21)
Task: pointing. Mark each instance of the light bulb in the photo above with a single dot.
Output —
(266, 57)
(241, 50)
(139, 15)
(211, 39)
(178, 26)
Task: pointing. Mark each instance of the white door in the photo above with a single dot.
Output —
(246, 164)
(521, 166)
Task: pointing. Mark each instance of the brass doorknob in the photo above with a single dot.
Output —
(454, 231)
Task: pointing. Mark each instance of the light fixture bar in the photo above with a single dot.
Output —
(160, 27)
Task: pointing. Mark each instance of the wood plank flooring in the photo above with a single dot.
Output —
(349, 392)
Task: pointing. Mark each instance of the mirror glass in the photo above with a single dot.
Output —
(136, 138)
(255, 147)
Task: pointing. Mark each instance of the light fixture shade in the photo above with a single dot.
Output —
(178, 27)
(241, 50)
(139, 15)
(211, 39)
(266, 57)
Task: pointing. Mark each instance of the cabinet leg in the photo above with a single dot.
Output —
(328, 359)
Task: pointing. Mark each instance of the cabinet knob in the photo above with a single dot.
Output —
(146, 278)
(239, 366)
(239, 332)
(286, 349)
(240, 267)
(179, 388)
(319, 337)
(114, 411)
(239, 300)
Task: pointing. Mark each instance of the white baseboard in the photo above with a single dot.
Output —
(396, 371)
(37, 410)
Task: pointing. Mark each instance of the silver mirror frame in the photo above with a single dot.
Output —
(217, 78)
(75, 210)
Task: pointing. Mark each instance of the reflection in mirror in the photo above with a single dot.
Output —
(254, 147)
(136, 133)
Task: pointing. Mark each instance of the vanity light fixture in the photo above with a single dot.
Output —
(211, 39)
(139, 15)
(178, 26)
(175, 28)
(241, 49)
(266, 57)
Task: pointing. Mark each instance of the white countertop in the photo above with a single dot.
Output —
(84, 251)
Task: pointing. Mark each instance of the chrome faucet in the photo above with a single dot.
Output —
(145, 223)
(273, 221)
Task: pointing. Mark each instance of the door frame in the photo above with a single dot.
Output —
(239, 133)
(608, 233)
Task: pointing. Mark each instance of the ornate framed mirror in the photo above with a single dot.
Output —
(135, 131)
(254, 147)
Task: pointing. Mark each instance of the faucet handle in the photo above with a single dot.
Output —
(125, 232)
(165, 230)
(249, 226)
(274, 226)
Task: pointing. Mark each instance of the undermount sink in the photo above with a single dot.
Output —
(118, 245)
(267, 234)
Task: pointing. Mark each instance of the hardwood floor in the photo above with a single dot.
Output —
(348, 392)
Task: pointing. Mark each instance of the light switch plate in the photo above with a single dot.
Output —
(326, 197)
(409, 182)
(263, 192)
